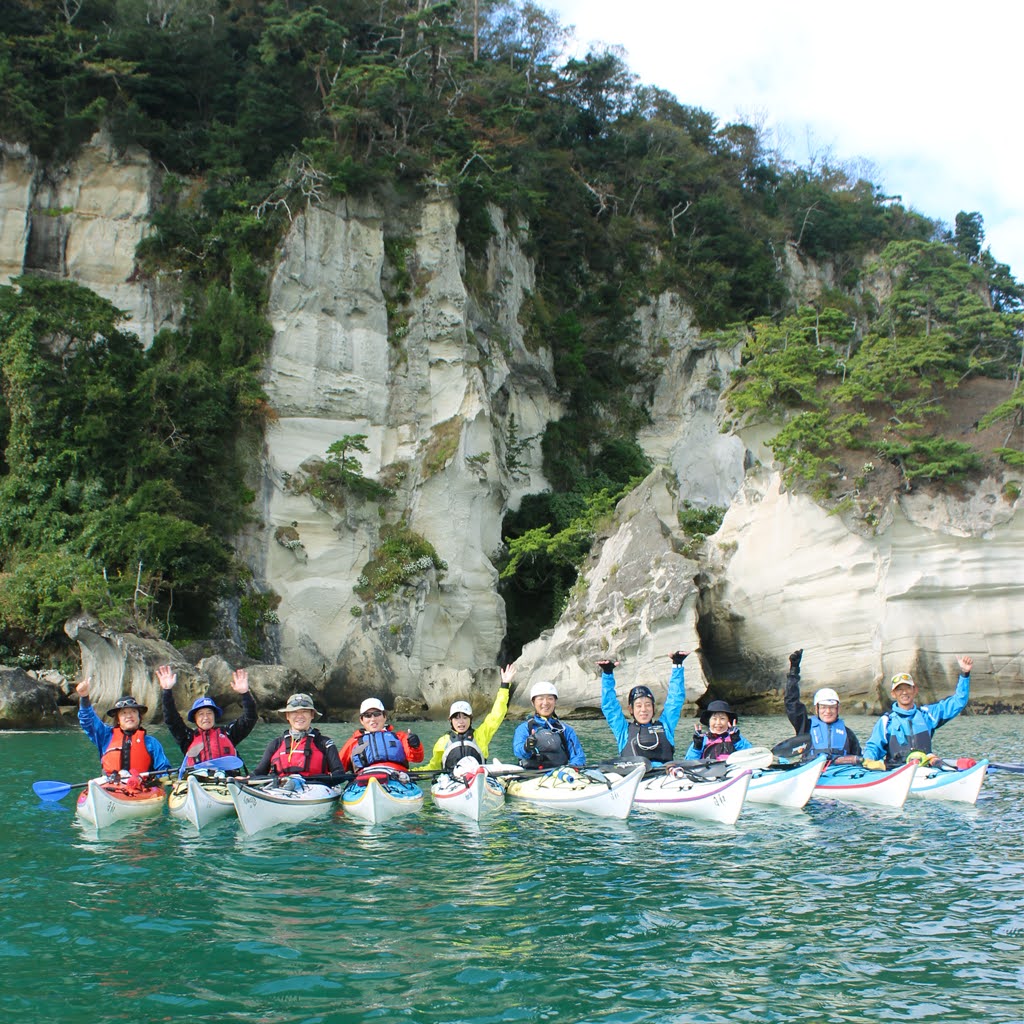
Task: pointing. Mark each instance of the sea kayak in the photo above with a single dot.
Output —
(786, 786)
(685, 793)
(587, 790)
(201, 799)
(286, 802)
(855, 783)
(105, 803)
(947, 782)
(379, 796)
(473, 795)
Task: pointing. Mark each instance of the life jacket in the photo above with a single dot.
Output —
(207, 745)
(650, 741)
(552, 750)
(460, 745)
(384, 747)
(298, 757)
(918, 735)
(126, 751)
(826, 738)
(718, 747)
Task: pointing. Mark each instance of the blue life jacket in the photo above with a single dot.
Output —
(377, 748)
(650, 741)
(552, 749)
(827, 738)
(904, 733)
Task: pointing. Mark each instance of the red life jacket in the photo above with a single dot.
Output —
(208, 744)
(302, 757)
(126, 752)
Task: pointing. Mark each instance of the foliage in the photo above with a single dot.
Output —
(698, 524)
(401, 557)
(341, 474)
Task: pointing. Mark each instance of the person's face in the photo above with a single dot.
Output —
(905, 694)
(128, 719)
(828, 713)
(718, 723)
(643, 710)
(544, 705)
(372, 720)
(300, 721)
(205, 717)
(460, 722)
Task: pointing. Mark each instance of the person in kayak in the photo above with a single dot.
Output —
(718, 734)
(302, 750)
(824, 731)
(126, 749)
(646, 736)
(207, 740)
(377, 742)
(462, 739)
(543, 741)
(908, 727)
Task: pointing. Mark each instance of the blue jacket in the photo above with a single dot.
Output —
(99, 732)
(669, 717)
(577, 759)
(901, 726)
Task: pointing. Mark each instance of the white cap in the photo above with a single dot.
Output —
(370, 704)
(826, 695)
(543, 689)
(461, 706)
(901, 679)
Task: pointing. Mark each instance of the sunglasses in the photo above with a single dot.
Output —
(372, 714)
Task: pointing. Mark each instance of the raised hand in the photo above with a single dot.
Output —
(508, 673)
(240, 680)
(607, 667)
(82, 689)
(678, 657)
(966, 663)
(166, 677)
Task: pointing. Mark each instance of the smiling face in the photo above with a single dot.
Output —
(373, 720)
(544, 705)
(205, 718)
(643, 710)
(905, 695)
(460, 722)
(718, 723)
(128, 719)
(828, 713)
(300, 721)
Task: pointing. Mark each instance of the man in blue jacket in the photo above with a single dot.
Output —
(907, 727)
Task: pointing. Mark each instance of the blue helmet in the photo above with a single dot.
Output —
(640, 691)
(204, 702)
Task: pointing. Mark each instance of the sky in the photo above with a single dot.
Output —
(923, 98)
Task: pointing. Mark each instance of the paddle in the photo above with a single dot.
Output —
(794, 746)
(46, 790)
(1017, 769)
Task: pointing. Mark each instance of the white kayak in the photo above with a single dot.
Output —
(786, 786)
(947, 782)
(857, 784)
(569, 789)
(104, 803)
(681, 792)
(473, 795)
(292, 800)
(201, 799)
(377, 797)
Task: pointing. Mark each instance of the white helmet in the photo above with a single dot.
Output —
(461, 707)
(826, 696)
(543, 689)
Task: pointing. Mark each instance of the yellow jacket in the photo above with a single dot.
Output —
(482, 733)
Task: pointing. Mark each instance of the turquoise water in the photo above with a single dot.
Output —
(834, 913)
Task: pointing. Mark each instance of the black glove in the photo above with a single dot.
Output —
(414, 740)
(530, 744)
(698, 739)
(794, 660)
(607, 667)
(678, 657)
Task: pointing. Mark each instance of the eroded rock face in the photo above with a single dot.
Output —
(27, 702)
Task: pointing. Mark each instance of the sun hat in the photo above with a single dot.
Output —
(298, 702)
(901, 679)
(543, 689)
(204, 702)
(715, 707)
(126, 704)
(826, 695)
(461, 707)
(371, 704)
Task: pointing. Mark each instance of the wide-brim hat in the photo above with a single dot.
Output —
(299, 702)
(714, 708)
(204, 702)
(127, 704)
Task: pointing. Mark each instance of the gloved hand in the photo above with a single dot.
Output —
(530, 744)
(414, 740)
(678, 657)
(875, 766)
(794, 660)
(698, 739)
(607, 667)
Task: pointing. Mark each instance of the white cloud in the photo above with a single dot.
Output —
(927, 93)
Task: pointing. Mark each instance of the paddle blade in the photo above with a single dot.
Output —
(51, 790)
(792, 747)
(218, 764)
(754, 757)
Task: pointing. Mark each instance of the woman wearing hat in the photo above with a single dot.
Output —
(125, 746)
(824, 731)
(720, 735)
(543, 740)
(645, 736)
(377, 742)
(907, 727)
(302, 750)
(462, 739)
(207, 740)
